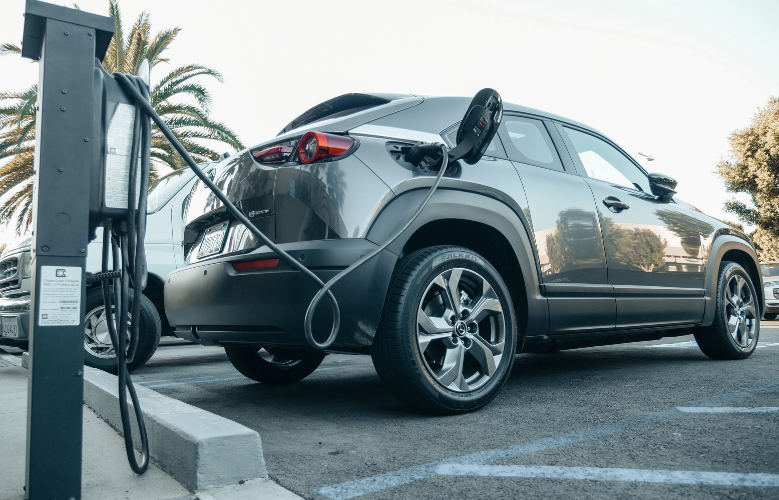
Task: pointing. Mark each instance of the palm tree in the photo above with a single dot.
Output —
(188, 120)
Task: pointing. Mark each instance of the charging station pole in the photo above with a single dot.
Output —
(66, 42)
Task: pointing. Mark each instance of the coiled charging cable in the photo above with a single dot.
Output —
(324, 287)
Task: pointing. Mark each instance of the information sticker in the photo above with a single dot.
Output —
(119, 143)
(60, 298)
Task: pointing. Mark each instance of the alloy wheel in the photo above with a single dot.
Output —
(461, 329)
(740, 312)
(97, 339)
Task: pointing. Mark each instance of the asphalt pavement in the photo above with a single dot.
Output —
(646, 420)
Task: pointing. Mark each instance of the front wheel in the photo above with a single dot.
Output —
(736, 326)
(769, 316)
(99, 350)
(448, 336)
(274, 365)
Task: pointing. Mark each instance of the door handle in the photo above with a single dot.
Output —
(614, 204)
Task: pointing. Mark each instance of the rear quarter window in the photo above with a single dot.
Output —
(527, 141)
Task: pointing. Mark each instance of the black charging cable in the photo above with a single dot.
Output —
(126, 241)
(324, 289)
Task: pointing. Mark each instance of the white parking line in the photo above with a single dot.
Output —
(728, 409)
(380, 482)
(695, 344)
(602, 474)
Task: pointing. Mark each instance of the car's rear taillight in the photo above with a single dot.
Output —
(316, 146)
(273, 155)
(255, 264)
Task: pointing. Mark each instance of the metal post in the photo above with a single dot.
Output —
(66, 41)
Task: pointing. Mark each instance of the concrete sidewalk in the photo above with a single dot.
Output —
(106, 473)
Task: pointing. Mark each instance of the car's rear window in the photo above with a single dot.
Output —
(337, 107)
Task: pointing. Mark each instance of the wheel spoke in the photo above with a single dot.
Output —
(452, 370)
(424, 340)
(734, 325)
(433, 325)
(484, 308)
(729, 296)
(454, 289)
(484, 353)
(740, 288)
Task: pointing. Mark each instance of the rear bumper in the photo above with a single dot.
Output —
(210, 302)
(18, 307)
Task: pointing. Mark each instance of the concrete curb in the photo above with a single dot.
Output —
(199, 449)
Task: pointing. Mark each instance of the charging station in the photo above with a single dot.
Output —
(65, 42)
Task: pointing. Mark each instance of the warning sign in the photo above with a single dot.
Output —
(60, 299)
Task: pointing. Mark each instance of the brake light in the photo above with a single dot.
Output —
(255, 264)
(316, 146)
(275, 154)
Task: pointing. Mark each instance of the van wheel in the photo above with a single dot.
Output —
(273, 365)
(98, 349)
(736, 326)
(447, 339)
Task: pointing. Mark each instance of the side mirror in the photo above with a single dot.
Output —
(662, 186)
(479, 126)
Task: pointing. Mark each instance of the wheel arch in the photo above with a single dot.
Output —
(477, 222)
(729, 248)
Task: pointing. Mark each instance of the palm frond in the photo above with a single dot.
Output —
(9, 48)
(183, 103)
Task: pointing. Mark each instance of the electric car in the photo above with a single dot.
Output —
(770, 272)
(164, 233)
(555, 239)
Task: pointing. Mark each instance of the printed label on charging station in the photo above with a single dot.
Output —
(119, 143)
(60, 298)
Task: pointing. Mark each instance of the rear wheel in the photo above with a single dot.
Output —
(736, 326)
(448, 337)
(274, 365)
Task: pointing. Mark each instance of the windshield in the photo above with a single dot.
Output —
(166, 188)
(770, 270)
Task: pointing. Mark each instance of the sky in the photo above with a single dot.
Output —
(669, 78)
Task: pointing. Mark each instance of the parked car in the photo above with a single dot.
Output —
(556, 239)
(164, 253)
(770, 272)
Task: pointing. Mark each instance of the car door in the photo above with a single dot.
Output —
(653, 247)
(565, 228)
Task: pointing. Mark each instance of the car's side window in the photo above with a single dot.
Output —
(604, 162)
(527, 141)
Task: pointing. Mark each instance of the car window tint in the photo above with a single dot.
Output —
(604, 162)
(529, 142)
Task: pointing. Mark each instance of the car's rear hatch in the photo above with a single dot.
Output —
(251, 185)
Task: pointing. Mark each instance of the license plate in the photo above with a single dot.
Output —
(10, 327)
(213, 239)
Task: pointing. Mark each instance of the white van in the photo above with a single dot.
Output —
(164, 253)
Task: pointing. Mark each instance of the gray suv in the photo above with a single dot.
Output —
(556, 239)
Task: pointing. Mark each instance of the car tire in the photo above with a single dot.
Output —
(98, 350)
(445, 365)
(274, 366)
(736, 327)
(769, 316)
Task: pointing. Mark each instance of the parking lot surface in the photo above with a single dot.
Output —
(646, 420)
